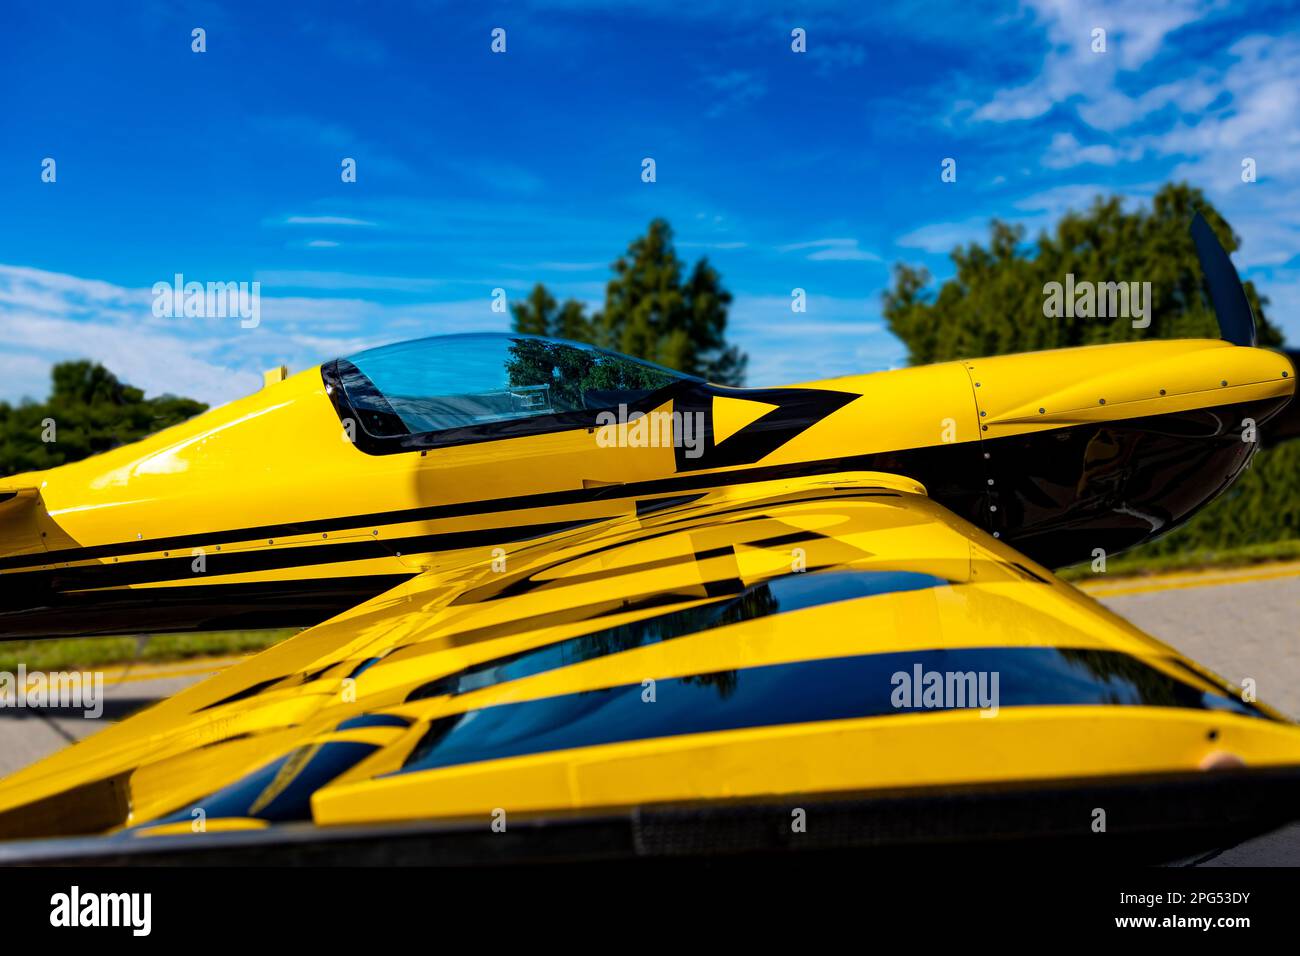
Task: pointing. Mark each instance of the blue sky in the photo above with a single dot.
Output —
(477, 171)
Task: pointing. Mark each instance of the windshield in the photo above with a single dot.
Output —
(454, 381)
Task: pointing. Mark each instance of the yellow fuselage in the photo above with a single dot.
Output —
(265, 512)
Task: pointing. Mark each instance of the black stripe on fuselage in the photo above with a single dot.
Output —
(841, 688)
(85, 577)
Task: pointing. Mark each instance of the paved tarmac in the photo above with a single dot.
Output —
(1241, 622)
(28, 735)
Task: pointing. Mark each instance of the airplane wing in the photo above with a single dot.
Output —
(12, 491)
(719, 662)
(18, 499)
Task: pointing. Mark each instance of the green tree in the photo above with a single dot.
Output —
(540, 314)
(653, 310)
(88, 411)
(994, 303)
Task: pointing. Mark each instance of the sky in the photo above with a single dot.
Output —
(478, 170)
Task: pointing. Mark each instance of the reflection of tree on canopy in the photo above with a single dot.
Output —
(749, 604)
(572, 373)
(1129, 677)
(724, 682)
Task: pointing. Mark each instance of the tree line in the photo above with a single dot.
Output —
(994, 304)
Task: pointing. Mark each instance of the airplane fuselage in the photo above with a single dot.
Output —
(287, 506)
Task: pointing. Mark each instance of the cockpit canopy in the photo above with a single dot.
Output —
(450, 383)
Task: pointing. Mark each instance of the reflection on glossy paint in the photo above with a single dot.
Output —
(170, 461)
(788, 593)
(841, 688)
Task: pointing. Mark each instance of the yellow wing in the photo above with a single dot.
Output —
(798, 638)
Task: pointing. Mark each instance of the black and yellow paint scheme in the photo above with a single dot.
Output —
(282, 509)
(526, 615)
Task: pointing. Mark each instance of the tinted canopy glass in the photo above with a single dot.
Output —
(458, 381)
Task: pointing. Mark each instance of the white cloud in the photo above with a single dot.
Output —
(835, 336)
(833, 56)
(561, 266)
(1072, 71)
(326, 221)
(1283, 309)
(148, 359)
(712, 245)
(1205, 117)
(47, 317)
(943, 236)
(1035, 212)
(822, 250)
(344, 281)
(1047, 206)
(732, 89)
(1067, 151)
(25, 376)
(1260, 90)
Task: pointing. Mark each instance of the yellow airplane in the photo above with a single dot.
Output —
(553, 590)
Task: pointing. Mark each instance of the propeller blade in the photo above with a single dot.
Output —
(1227, 295)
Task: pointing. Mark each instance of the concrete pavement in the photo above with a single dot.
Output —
(1239, 622)
(27, 735)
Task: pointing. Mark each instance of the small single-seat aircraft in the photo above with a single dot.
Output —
(633, 612)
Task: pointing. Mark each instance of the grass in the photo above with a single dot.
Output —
(65, 654)
(1187, 560)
